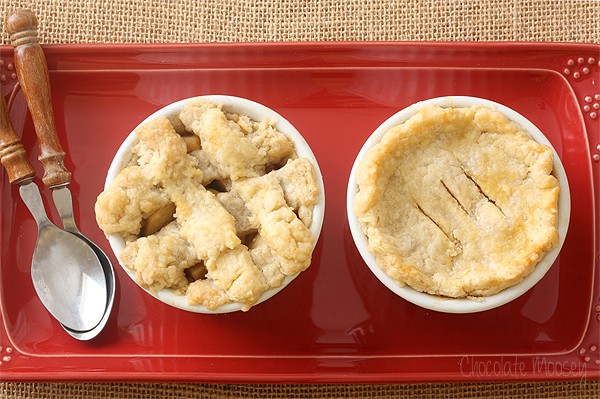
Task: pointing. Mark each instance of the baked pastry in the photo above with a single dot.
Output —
(458, 202)
(230, 215)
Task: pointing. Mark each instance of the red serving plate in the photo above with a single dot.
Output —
(336, 322)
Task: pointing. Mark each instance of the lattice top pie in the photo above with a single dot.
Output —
(458, 202)
(213, 205)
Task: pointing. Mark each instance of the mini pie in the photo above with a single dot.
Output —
(458, 202)
(242, 199)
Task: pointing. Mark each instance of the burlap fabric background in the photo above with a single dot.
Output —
(165, 21)
(162, 21)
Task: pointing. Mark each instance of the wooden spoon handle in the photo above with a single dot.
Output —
(32, 71)
(12, 154)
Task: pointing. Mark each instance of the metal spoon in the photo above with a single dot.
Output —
(32, 71)
(66, 273)
(68, 221)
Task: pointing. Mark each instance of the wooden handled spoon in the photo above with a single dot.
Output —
(32, 71)
(66, 273)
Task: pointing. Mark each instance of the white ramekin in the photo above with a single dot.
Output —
(257, 112)
(451, 305)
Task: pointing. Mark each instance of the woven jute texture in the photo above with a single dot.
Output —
(169, 21)
(163, 21)
(417, 391)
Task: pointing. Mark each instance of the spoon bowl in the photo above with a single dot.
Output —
(62, 199)
(66, 272)
(109, 276)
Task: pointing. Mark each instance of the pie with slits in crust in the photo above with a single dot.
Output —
(458, 202)
(234, 208)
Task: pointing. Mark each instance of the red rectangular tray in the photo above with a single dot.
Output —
(336, 322)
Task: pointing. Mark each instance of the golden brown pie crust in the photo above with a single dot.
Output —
(243, 207)
(458, 202)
